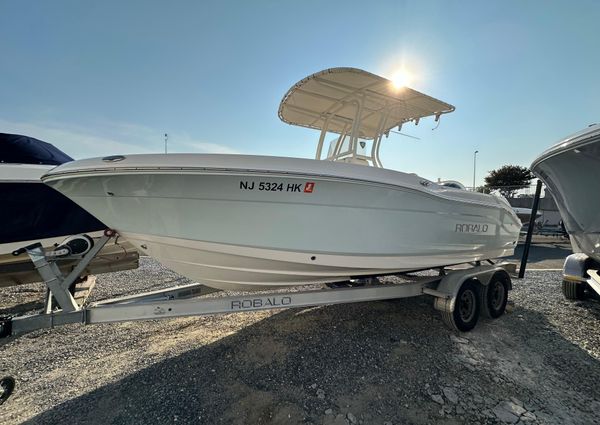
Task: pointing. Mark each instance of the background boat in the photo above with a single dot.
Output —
(32, 212)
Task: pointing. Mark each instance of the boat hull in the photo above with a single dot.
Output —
(571, 170)
(233, 228)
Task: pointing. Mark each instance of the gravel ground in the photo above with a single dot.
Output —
(389, 362)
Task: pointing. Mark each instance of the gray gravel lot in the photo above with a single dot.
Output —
(390, 362)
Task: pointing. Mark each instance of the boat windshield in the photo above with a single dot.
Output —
(340, 149)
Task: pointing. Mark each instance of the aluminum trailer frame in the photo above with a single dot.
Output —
(461, 295)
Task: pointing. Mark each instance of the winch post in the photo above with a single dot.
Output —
(57, 284)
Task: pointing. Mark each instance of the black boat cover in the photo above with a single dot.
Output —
(17, 149)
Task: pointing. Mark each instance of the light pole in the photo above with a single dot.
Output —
(166, 139)
(474, 167)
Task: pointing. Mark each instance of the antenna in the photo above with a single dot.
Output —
(405, 135)
(166, 139)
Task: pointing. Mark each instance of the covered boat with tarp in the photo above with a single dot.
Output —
(31, 211)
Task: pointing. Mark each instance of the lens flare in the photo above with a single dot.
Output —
(401, 78)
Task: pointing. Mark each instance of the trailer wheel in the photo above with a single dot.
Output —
(495, 296)
(466, 308)
(7, 385)
(573, 290)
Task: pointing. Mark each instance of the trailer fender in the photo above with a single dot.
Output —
(575, 267)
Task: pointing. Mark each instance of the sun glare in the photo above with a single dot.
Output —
(401, 78)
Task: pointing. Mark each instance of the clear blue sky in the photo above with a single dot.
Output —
(110, 77)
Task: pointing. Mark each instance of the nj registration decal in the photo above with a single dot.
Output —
(307, 187)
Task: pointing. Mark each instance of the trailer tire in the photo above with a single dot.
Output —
(573, 290)
(495, 295)
(466, 310)
(7, 385)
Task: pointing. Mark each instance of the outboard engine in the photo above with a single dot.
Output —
(73, 245)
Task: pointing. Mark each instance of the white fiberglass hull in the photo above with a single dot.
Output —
(571, 170)
(234, 222)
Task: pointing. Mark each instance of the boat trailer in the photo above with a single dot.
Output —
(461, 295)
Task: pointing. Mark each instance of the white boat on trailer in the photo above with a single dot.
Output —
(248, 222)
(571, 170)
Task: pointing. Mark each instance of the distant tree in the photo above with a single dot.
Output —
(483, 189)
(508, 179)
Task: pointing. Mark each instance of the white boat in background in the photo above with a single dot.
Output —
(571, 171)
(524, 214)
(249, 222)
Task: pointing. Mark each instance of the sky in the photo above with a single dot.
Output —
(112, 77)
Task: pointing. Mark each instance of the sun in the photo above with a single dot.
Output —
(401, 78)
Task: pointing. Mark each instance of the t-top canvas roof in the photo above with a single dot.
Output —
(335, 94)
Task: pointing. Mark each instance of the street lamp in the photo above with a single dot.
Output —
(474, 167)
